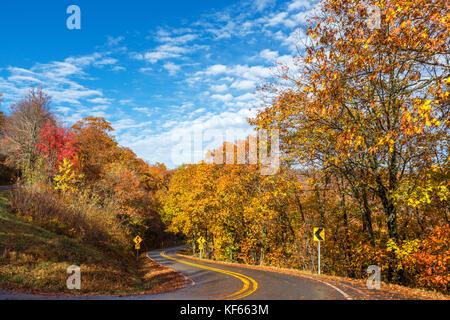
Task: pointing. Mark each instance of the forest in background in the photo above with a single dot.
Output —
(363, 117)
(363, 122)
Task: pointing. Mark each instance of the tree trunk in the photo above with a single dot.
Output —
(367, 216)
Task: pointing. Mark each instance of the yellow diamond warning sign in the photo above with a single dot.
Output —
(137, 240)
(201, 243)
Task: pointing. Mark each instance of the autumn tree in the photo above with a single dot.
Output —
(97, 147)
(244, 215)
(23, 126)
(6, 172)
(2, 116)
(56, 144)
(372, 104)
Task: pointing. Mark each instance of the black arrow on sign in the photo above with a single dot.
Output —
(318, 234)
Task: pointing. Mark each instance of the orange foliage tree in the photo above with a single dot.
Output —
(370, 106)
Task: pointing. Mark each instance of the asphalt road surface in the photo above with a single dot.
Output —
(211, 281)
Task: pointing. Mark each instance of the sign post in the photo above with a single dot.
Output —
(137, 240)
(319, 236)
(318, 257)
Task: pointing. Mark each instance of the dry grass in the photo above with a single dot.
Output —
(35, 260)
(69, 216)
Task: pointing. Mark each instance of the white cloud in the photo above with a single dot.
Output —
(105, 61)
(118, 68)
(226, 79)
(262, 4)
(243, 84)
(297, 4)
(216, 69)
(172, 68)
(277, 19)
(225, 31)
(100, 108)
(147, 111)
(162, 52)
(183, 107)
(201, 110)
(242, 71)
(125, 101)
(167, 51)
(163, 33)
(166, 37)
(251, 73)
(63, 109)
(155, 56)
(222, 97)
(59, 80)
(141, 109)
(174, 146)
(246, 97)
(219, 87)
(269, 55)
(23, 79)
(101, 100)
(111, 41)
(84, 60)
(145, 70)
(123, 124)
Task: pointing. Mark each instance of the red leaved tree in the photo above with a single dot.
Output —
(57, 144)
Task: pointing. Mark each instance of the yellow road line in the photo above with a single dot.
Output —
(244, 292)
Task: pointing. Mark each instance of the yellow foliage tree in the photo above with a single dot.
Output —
(66, 179)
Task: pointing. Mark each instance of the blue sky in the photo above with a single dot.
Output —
(159, 71)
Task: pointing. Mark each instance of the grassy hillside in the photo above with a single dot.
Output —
(34, 259)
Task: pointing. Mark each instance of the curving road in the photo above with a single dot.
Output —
(211, 281)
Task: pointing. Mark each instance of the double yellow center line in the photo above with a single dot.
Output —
(250, 285)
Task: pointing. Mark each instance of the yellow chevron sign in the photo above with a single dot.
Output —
(319, 234)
